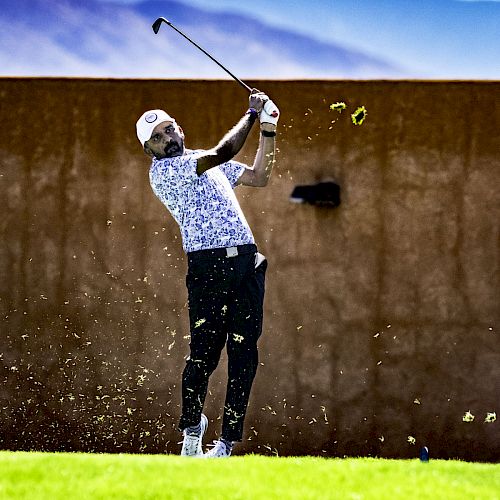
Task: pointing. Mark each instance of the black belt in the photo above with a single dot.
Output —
(222, 252)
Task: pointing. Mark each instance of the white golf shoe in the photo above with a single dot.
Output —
(219, 450)
(192, 443)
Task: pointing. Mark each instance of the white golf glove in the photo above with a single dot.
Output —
(270, 113)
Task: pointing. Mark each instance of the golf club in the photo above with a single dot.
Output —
(156, 28)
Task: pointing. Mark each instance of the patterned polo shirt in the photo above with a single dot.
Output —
(204, 206)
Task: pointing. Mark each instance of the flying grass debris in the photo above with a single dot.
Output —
(468, 417)
(490, 417)
(358, 117)
(338, 106)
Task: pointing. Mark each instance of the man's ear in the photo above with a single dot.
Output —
(182, 132)
(147, 149)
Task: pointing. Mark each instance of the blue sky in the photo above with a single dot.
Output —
(427, 39)
(434, 38)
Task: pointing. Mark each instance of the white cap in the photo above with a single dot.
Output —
(148, 121)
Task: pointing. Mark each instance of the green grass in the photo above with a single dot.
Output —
(83, 476)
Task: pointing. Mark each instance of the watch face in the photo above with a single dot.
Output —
(151, 118)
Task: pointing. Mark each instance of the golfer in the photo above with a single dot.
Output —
(226, 274)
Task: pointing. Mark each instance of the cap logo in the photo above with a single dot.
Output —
(151, 118)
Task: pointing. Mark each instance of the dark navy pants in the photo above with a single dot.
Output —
(226, 295)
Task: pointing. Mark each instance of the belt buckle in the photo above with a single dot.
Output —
(231, 251)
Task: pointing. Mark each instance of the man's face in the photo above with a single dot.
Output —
(167, 140)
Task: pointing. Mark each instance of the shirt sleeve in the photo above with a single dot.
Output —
(232, 170)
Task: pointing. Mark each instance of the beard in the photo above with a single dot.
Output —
(174, 148)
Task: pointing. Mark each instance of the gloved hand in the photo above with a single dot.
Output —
(257, 100)
(270, 113)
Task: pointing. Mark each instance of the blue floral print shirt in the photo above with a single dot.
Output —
(204, 206)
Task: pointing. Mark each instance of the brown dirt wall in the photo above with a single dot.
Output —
(381, 315)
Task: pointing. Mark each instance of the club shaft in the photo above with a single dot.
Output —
(243, 84)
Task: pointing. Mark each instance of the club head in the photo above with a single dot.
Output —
(157, 24)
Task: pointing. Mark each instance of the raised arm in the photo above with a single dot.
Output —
(258, 175)
(231, 144)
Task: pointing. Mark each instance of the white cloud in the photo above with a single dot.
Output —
(98, 48)
(66, 46)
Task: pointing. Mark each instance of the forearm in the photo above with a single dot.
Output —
(264, 160)
(228, 147)
(231, 144)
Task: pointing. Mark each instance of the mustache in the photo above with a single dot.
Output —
(173, 147)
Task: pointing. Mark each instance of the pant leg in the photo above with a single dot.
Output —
(244, 330)
(208, 286)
